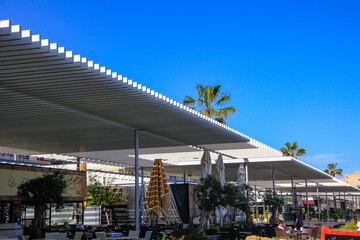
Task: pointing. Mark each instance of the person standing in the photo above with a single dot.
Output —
(298, 223)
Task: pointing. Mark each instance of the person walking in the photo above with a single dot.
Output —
(298, 222)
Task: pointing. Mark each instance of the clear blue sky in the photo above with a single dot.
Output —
(291, 67)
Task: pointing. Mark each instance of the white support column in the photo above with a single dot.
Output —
(246, 173)
(137, 227)
(307, 202)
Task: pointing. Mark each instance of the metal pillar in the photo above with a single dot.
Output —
(307, 202)
(345, 203)
(327, 206)
(137, 227)
(318, 200)
(352, 205)
(142, 196)
(273, 179)
(78, 164)
(256, 212)
(293, 192)
(334, 201)
(340, 204)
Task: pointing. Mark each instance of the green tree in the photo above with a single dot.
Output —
(208, 196)
(292, 150)
(102, 194)
(40, 191)
(332, 170)
(275, 202)
(210, 102)
(236, 196)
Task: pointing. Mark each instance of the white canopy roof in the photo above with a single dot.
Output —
(54, 101)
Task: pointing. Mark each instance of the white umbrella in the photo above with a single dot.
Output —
(241, 175)
(220, 175)
(220, 170)
(206, 164)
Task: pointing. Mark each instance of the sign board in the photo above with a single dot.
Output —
(11, 176)
(337, 234)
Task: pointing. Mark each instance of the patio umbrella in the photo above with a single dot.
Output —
(241, 175)
(220, 170)
(206, 164)
(220, 175)
(157, 192)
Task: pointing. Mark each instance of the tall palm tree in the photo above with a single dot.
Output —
(210, 101)
(292, 150)
(332, 170)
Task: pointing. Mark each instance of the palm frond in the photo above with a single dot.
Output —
(338, 172)
(331, 166)
(188, 101)
(285, 151)
(294, 146)
(223, 99)
(220, 120)
(206, 113)
(215, 91)
(300, 152)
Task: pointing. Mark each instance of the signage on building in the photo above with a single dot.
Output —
(11, 176)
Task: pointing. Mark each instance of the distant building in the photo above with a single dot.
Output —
(353, 179)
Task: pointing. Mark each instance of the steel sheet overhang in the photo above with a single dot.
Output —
(53, 101)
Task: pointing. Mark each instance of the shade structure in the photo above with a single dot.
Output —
(205, 164)
(157, 192)
(220, 170)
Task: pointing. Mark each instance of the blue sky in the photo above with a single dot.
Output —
(291, 67)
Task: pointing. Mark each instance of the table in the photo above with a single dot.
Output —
(296, 235)
(116, 234)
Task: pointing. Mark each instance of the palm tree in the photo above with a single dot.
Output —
(292, 150)
(331, 169)
(209, 102)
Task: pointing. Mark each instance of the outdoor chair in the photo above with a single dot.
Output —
(134, 234)
(147, 235)
(59, 236)
(78, 235)
(101, 235)
(314, 233)
(280, 233)
(50, 235)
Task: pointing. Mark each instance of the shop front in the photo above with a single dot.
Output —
(13, 213)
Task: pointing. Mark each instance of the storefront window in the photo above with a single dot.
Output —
(71, 213)
(5, 212)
